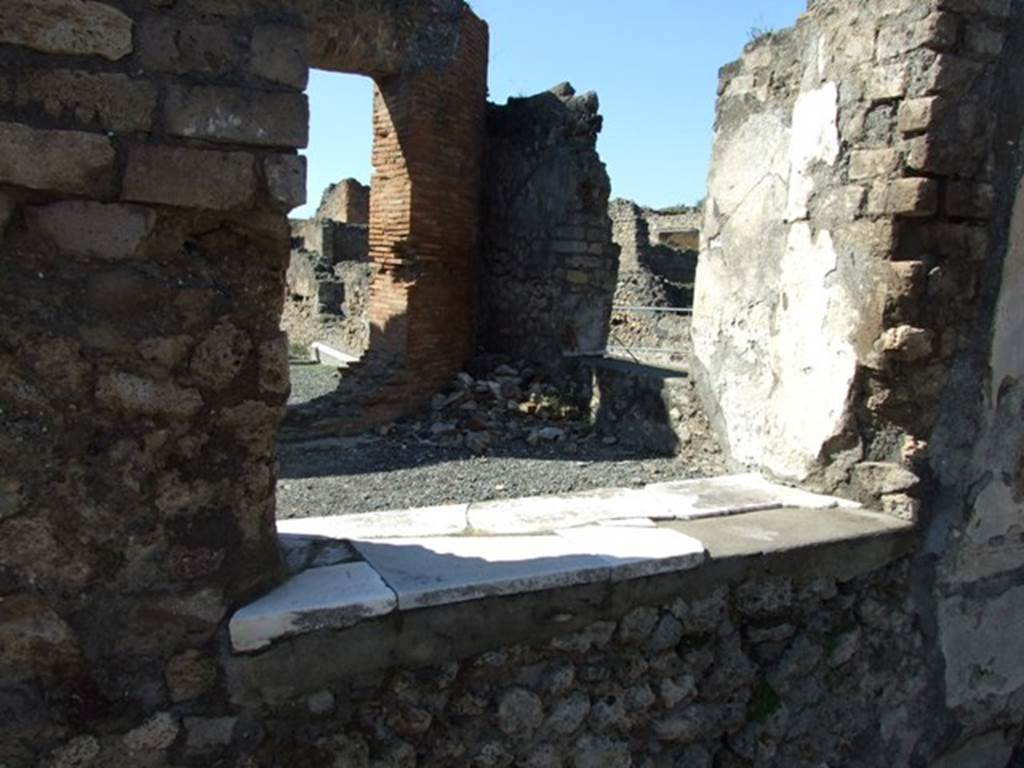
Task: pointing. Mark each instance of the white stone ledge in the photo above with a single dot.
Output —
(435, 556)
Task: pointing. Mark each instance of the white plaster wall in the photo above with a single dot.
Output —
(773, 327)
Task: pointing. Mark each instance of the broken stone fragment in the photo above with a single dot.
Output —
(906, 343)
(879, 478)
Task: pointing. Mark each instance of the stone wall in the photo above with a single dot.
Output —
(837, 204)
(147, 164)
(144, 373)
(873, 225)
(548, 263)
(347, 201)
(329, 274)
(651, 274)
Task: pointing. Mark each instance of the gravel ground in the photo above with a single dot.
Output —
(404, 469)
(311, 380)
(364, 474)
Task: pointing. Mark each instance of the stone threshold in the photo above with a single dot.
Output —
(348, 569)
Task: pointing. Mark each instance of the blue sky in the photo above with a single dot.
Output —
(653, 63)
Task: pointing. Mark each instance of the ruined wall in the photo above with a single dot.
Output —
(147, 163)
(651, 274)
(911, 270)
(347, 201)
(329, 274)
(827, 197)
(548, 263)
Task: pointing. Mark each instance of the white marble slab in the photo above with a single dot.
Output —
(449, 520)
(633, 553)
(327, 355)
(547, 513)
(628, 522)
(438, 571)
(733, 494)
(321, 598)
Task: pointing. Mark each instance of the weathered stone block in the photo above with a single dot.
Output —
(939, 30)
(177, 45)
(905, 197)
(63, 161)
(175, 176)
(286, 179)
(869, 163)
(968, 200)
(115, 101)
(951, 74)
(81, 228)
(237, 115)
(907, 344)
(887, 82)
(879, 478)
(281, 55)
(916, 115)
(76, 27)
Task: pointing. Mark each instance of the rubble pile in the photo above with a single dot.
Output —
(504, 402)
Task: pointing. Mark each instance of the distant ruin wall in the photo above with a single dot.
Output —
(652, 274)
(548, 261)
(348, 201)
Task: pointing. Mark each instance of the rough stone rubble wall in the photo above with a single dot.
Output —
(147, 162)
(548, 261)
(771, 670)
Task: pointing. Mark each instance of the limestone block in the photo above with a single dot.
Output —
(951, 74)
(168, 44)
(286, 179)
(983, 642)
(76, 27)
(869, 163)
(237, 115)
(887, 82)
(115, 101)
(156, 734)
(916, 197)
(916, 115)
(190, 178)
(938, 30)
(62, 161)
(189, 675)
(281, 55)
(907, 344)
(34, 639)
(79, 228)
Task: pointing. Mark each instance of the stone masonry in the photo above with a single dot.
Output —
(548, 261)
(329, 273)
(858, 315)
